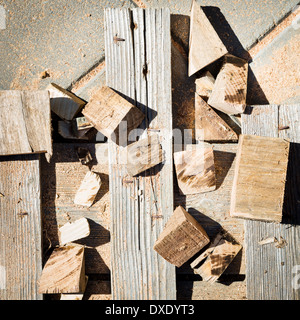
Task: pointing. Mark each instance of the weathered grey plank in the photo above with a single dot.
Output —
(20, 227)
(270, 271)
(140, 69)
(25, 122)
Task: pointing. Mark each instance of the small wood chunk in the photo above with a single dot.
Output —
(230, 90)
(217, 257)
(195, 169)
(84, 155)
(107, 109)
(74, 231)
(209, 125)
(88, 189)
(205, 44)
(81, 123)
(259, 181)
(143, 154)
(64, 103)
(64, 272)
(181, 238)
(205, 85)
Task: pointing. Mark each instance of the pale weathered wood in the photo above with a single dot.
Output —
(181, 238)
(195, 169)
(205, 46)
(209, 126)
(63, 102)
(140, 69)
(106, 110)
(259, 181)
(72, 231)
(271, 272)
(81, 123)
(88, 189)
(74, 296)
(64, 272)
(25, 123)
(20, 227)
(143, 155)
(204, 85)
(217, 257)
(230, 89)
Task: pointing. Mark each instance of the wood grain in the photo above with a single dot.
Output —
(20, 227)
(270, 271)
(140, 69)
(25, 123)
(260, 175)
(76, 230)
(230, 89)
(205, 46)
(204, 85)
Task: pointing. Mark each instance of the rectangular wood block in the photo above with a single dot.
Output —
(64, 272)
(143, 154)
(230, 89)
(63, 102)
(181, 238)
(106, 109)
(195, 169)
(259, 181)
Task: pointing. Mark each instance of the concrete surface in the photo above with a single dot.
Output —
(65, 38)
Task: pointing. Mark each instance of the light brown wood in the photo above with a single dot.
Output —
(230, 89)
(217, 257)
(81, 123)
(74, 231)
(63, 102)
(107, 109)
(181, 238)
(74, 296)
(195, 169)
(88, 189)
(64, 272)
(204, 85)
(205, 46)
(25, 123)
(209, 125)
(143, 154)
(259, 181)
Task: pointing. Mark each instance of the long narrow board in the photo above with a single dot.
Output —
(140, 69)
(272, 271)
(20, 227)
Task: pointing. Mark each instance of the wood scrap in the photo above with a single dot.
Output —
(74, 296)
(107, 109)
(84, 155)
(259, 181)
(65, 129)
(204, 85)
(143, 154)
(64, 272)
(81, 123)
(181, 238)
(205, 46)
(209, 125)
(230, 89)
(195, 169)
(74, 231)
(88, 189)
(64, 103)
(217, 257)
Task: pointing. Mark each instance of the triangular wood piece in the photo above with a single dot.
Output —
(209, 125)
(74, 231)
(64, 271)
(205, 44)
(205, 85)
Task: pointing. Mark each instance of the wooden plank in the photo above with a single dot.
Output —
(209, 126)
(20, 227)
(25, 123)
(205, 46)
(195, 169)
(106, 110)
(212, 209)
(271, 271)
(64, 272)
(63, 102)
(61, 179)
(140, 69)
(259, 181)
(230, 89)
